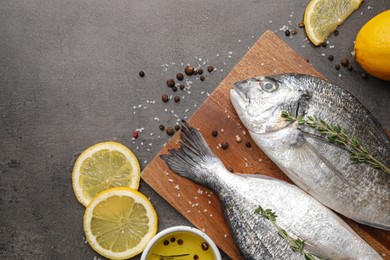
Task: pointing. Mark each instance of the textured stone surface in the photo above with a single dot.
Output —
(69, 79)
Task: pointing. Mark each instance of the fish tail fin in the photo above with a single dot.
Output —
(194, 159)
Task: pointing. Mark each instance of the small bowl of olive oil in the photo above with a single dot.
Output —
(181, 243)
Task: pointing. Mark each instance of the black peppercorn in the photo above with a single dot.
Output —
(337, 66)
(210, 68)
(177, 127)
(324, 44)
(180, 76)
(181, 86)
(344, 62)
(364, 75)
(224, 145)
(336, 33)
(166, 242)
(170, 131)
(173, 239)
(350, 68)
(204, 246)
(287, 32)
(200, 71)
(202, 78)
(142, 74)
(189, 70)
(180, 241)
(174, 88)
(176, 98)
(214, 133)
(162, 127)
(248, 144)
(170, 83)
(301, 24)
(165, 98)
(331, 57)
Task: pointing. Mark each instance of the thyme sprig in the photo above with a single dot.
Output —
(163, 257)
(334, 134)
(297, 244)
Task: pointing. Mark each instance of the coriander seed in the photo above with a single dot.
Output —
(170, 131)
(141, 74)
(165, 98)
(180, 76)
(189, 70)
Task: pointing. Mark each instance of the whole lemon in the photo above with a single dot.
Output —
(372, 46)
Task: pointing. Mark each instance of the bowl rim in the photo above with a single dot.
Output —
(174, 229)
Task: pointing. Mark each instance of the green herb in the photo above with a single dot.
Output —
(163, 257)
(335, 134)
(297, 245)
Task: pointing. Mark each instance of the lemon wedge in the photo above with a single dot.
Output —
(104, 166)
(119, 223)
(323, 16)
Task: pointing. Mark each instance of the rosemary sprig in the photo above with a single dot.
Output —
(297, 245)
(163, 257)
(335, 134)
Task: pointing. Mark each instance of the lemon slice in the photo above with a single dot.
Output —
(119, 223)
(104, 166)
(323, 16)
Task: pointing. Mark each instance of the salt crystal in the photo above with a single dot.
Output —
(170, 180)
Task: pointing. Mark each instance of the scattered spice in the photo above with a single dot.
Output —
(344, 62)
(189, 70)
(331, 57)
(301, 24)
(180, 76)
(224, 145)
(248, 144)
(214, 133)
(173, 239)
(181, 86)
(336, 33)
(165, 98)
(141, 74)
(364, 75)
(287, 32)
(350, 68)
(238, 139)
(294, 31)
(324, 44)
(177, 127)
(162, 127)
(337, 66)
(196, 257)
(135, 135)
(176, 98)
(210, 68)
(170, 83)
(205, 246)
(180, 241)
(170, 131)
(195, 72)
(174, 88)
(166, 242)
(202, 78)
(200, 71)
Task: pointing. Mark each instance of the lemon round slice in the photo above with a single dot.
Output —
(323, 16)
(104, 166)
(119, 223)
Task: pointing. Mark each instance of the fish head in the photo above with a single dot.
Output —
(260, 101)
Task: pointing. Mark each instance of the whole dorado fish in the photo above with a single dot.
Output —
(320, 167)
(300, 215)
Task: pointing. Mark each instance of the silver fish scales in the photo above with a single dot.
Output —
(321, 168)
(325, 234)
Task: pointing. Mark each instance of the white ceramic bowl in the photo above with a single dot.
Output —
(170, 232)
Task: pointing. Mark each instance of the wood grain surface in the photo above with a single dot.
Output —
(269, 55)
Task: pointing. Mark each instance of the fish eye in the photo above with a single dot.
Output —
(269, 86)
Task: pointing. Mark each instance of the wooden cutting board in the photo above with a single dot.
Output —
(269, 55)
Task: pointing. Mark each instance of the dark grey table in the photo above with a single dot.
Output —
(69, 79)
